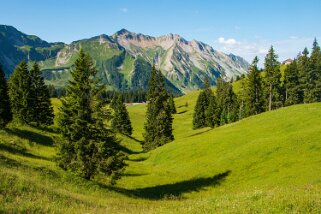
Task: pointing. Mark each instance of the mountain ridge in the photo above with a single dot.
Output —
(124, 58)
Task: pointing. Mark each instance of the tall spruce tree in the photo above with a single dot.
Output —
(254, 92)
(120, 121)
(158, 125)
(272, 79)
(303, 68)
(212, 113)
(42, 108)
(203, 101)
(293, 92)
(85, 145)
(227, 102)
(5, 109)
(313, 91)
(20, 94)
(242, 100)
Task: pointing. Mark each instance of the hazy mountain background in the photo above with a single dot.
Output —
(123, 59)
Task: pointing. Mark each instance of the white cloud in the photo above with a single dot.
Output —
(229, 42)
(124, 10)
(286, 48)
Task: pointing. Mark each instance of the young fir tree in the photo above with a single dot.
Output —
(202, 104)
(20, 94)
(42, 108)
(227, 102)
(158, 125)
(85, 145)
(313, 89)
(120, 121)
(293, 92)
(212, 113)
(272, 79)
(172, 104)
(242, 101)
(5, 109)
(303, 69)
(254, 92)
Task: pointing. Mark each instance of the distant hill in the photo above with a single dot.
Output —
(124, 59)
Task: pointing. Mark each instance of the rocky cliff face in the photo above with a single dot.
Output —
(124, 59)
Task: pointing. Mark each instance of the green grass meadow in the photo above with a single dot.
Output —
(269, 163)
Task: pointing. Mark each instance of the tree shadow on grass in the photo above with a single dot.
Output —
(133, 174)
(139, 159)
(173, 191)
(200, 132)
(182, 112)
(135, 139)
(16, 149)
(31, 136)
(129, 151)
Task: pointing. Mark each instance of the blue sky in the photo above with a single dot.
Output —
(246, 28)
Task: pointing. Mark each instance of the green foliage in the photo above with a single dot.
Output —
(227, 102)
(212, 113)
(272, 80)
(211, 110)
(201, 113)
(158, 125)
(42, 109)
(313, 86)
(85, 145)
(199, 116)
(303, 67)
(5, 108)
(20, 93)
(254, 100)
(29, 96)
(171, 104)
(120, 122)
(294, 93)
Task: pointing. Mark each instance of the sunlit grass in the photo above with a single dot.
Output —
(266, 163)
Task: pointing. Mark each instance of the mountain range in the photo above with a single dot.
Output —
(124, 59)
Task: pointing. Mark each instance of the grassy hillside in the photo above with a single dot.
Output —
(266, 163)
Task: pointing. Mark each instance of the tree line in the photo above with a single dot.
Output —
(25, 98)
(261, 89)
(86, 145)
(128, 96)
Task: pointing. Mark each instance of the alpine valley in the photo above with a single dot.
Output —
(123, 59)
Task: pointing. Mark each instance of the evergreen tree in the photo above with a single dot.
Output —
(85, 145)
(199, 116)
(203, 101)
(272, 79)
(20, 94)
(254, 92)
(242, 100)
(158, 125)
(42, 108)
(313, 90)
(5, 109)
(303, 64)
(121, 122)
(294, 94)
(172, 104)
(227, 102)
(212, 113)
